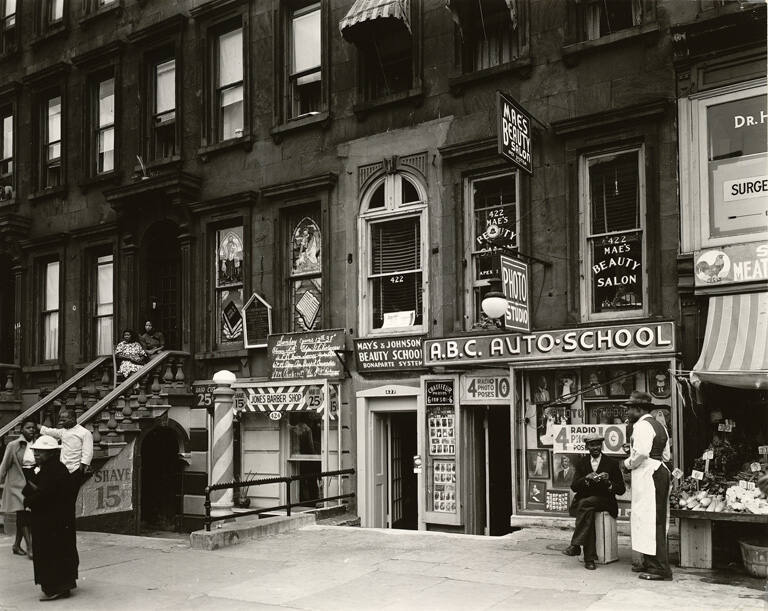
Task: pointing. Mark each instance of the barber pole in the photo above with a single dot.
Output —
(222, 444)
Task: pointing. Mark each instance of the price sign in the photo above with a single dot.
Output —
(743, 484)
(569, 438)
(204, 393)
(762, 449)
(755, 466)
(485, 389)
(677, 473)
(750, 485)
(110, 488)
(699, 475)
(708, 455)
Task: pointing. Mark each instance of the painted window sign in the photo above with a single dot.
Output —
(737, 157)
(230, 255)
(229, 285)
(617, 272)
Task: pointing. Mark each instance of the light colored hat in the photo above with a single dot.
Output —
(45, 442)
(593, 437)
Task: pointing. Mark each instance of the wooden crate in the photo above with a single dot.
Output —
(606, 539)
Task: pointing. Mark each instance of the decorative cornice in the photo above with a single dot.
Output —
(177, 188)
(322, 182)
(170, 26)
(214, 6)
(473, 148)
(45, 242)
(95, 230)
(225, 203)
(609, 118)
(10, 88)
(49, 73)
(100, 55)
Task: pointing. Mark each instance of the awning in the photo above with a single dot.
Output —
(735, 350)
(367, 12)
(269, 399)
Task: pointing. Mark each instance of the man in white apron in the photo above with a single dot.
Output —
(651, 484)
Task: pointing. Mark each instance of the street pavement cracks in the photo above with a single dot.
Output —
(340, 568)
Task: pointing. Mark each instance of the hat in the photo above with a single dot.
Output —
(45, 442)
(639, 399)
(593, 437)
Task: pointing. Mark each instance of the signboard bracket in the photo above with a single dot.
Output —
(341, 355)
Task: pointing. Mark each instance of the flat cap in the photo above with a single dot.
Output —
(593, 437)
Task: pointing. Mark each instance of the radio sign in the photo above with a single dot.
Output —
(514, 285)
(569, 438)
(514, 133)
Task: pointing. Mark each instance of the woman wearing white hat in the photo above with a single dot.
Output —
(51, 498)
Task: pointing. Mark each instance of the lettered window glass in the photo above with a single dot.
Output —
(104, 310)
(105, 126)
(615, 218)
(50, 313)
(229, 84)
(229, 256)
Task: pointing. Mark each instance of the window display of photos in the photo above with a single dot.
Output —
(441, 431)
(444, 486)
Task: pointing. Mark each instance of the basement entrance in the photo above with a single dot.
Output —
(161, 493)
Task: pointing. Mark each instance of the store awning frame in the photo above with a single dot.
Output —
(735, 348)
(367, 12)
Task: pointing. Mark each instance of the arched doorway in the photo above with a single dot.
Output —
(161, 475)
(162, 282)
(7, 309)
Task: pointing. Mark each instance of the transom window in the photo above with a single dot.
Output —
(394, 293)
(613, 209)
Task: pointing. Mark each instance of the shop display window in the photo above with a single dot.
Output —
(306, 434)
(442, 451)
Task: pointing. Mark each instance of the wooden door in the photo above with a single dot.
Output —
(380, 470)
(396, 461)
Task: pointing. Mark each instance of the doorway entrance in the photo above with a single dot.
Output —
(162, 284)
(395, 483)
(7, 310)
(161, 491)
(489, 469)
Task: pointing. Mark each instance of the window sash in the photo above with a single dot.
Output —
(611, 188)
(230, 58)
(55, 11)
(306, 41)
(51, 286)
(6, 145)
(53, 131)
(50, 311)
(231, 112)
(10, 8)
(106, 103)
(165, 87)
(105, 150)
(51, 335)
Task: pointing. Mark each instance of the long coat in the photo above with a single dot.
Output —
(53, 526)
(584, 489)
(12, 474)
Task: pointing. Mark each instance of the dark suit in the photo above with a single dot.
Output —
(592, 497)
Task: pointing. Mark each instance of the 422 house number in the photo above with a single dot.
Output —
(397, 279)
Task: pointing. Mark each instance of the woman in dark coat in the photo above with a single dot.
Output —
(51, 498)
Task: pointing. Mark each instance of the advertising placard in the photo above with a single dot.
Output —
(263, 398)
(609, 341)
(514, 132)
(438, 392)
(617, 272)
(203, 391)
(490, 389)
(110, 487)
(257, 314)
(737, 264)
(569, 438)
(310, 355)
(514, 285)
(389, 354)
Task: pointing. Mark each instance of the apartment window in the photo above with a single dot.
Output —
(229, 80)
(6, 153)
(491, 33)
(394, 218)
(305, 60)
(163, 87)
(8, 27)
(613, 213)
(493, 223)
(104, 126)
(103, 311)
(51, 167)
(55, 11)
(387, 65)
(229, 285)
(50, 311)
(598, 18)
(50, 16)
(305, 283)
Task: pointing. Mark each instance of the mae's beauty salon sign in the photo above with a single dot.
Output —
(607, 341)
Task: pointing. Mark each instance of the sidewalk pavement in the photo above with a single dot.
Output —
(338, 568)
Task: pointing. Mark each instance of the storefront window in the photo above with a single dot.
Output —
(614, 212)
(305, 430)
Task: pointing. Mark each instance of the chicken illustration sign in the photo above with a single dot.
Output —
(739, 264)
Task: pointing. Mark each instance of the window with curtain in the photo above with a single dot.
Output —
(305, 52)
(105, 126)
(55, 11)
(8, 26)
(494, 222)
(51, 171)
(229, 276)
(6, 153)
(164, 109)
(614, 213)
(103, 312)
(230, 84)
(50, 311)
(395, 217)
(491, 33)
(598, 18)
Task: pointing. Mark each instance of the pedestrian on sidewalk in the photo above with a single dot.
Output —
(17, 467)
(651, 485)
(596, 482)
(76, 446)
(51, 497)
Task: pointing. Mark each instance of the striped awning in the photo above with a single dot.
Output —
(364, 12)
(735, 350)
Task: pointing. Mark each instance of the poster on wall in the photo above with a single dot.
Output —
(737, 264)
(537, 462)
(564, 468)
(569, 438)
(110, 487)
(310, 355)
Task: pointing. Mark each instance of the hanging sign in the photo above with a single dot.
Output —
(257, 314)
(608, 341)
(110, 487)
(310, 355)
(389, 354)
(491, 389)
(514, 132)
(514, 285)
(736, 264)
(268, 399)
(203, 391)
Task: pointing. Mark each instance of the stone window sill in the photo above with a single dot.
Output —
(244, 142)
(115, 8)
(106, 178)
(412, 95)
(42, 368)
(521, 67)
(322, 119)
(48, 34)
(572, 52)
(51, 192)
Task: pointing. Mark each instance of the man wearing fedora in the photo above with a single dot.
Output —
(596, 481)
(651, 485)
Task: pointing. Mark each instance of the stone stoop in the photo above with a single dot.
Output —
(226, 534)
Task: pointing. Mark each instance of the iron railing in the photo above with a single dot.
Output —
(272, 480)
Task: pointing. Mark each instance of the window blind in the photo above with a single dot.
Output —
(614, 193)
(395, 246)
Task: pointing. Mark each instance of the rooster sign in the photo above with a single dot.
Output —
(712, 266)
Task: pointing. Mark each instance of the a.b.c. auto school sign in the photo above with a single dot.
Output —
(606, 341)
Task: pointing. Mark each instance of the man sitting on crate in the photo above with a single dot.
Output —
(596, 482)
